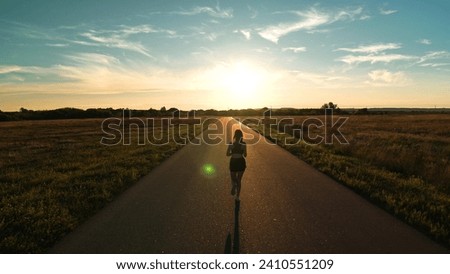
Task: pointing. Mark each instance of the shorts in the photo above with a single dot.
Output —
(237, 164)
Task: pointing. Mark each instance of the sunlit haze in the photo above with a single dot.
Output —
(223, 54)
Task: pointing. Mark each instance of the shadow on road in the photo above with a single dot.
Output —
(232, 246)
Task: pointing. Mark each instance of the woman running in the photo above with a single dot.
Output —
(238, 151)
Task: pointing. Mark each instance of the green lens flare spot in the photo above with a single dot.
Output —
(208, 169)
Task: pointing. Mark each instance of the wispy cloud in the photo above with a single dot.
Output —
(383, 58)
(317, 79)
(385, 77)
(83, 67)
(294, 49)
(435, 59)
(120, 38)
(374, 54)
(365, 17)
(9, 69)
(435, 55)
(129, 30)
(375, 48)
(115, 41)
(384, 11)
(27, 78)
(424, 41)
(247, 34)
(309, 20)
(93, 58)
(214, 12)
(207, 32)
(97, 76)
(434, 65)
(57, 45)
(203, 51)
(27, 70)
(253, 12)
(93, 73)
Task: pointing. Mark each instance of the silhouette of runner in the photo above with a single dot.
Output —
(238, 151)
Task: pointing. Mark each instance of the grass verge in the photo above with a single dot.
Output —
(391, 161)
(56, 174)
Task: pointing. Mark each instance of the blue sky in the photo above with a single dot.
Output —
(223, 54)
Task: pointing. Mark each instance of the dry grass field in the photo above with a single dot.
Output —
(400, 162)
(55, 174)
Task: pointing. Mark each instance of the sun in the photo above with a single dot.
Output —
(237, 83)
(242, 79)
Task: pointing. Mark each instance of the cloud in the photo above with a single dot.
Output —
(247, 34)
(119, 38)
(383, 58)
(25, 69)
(435, 55)
(253, 11)
(9, 69)
(434, 65)
(83, 66)
(214, 12)
(313, 80)
(435, 59)
(316, 78)
(116, 42)
(129, 30)
(309, 20)
(92, 74)
(93, 58)
(350, 15)
(364, 17)
(387, 12)
(375, 48)
(386, 77)
(29, 77)
(295, 50)
(374, 54)
(424, 41)
(57, 45)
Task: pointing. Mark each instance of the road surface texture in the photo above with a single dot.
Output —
(286, 207)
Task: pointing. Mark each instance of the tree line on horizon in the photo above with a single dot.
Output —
(75, 113)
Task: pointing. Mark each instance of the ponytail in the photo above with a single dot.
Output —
(238, 136)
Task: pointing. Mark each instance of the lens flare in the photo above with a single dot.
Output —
(208, 169)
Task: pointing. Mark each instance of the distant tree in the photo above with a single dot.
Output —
(211, 112)
(329, 105)
(163, 109)
(191, 113)
(174, 112)
(362, 111)
(96, 113)
(153, 112)
(4, 117)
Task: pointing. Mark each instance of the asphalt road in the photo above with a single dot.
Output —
(286, 207)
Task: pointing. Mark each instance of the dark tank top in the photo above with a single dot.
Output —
(237, 148)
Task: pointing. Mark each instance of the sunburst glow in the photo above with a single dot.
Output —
(241, 83)
(242, 79)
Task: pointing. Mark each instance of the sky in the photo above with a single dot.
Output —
(223, 54)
